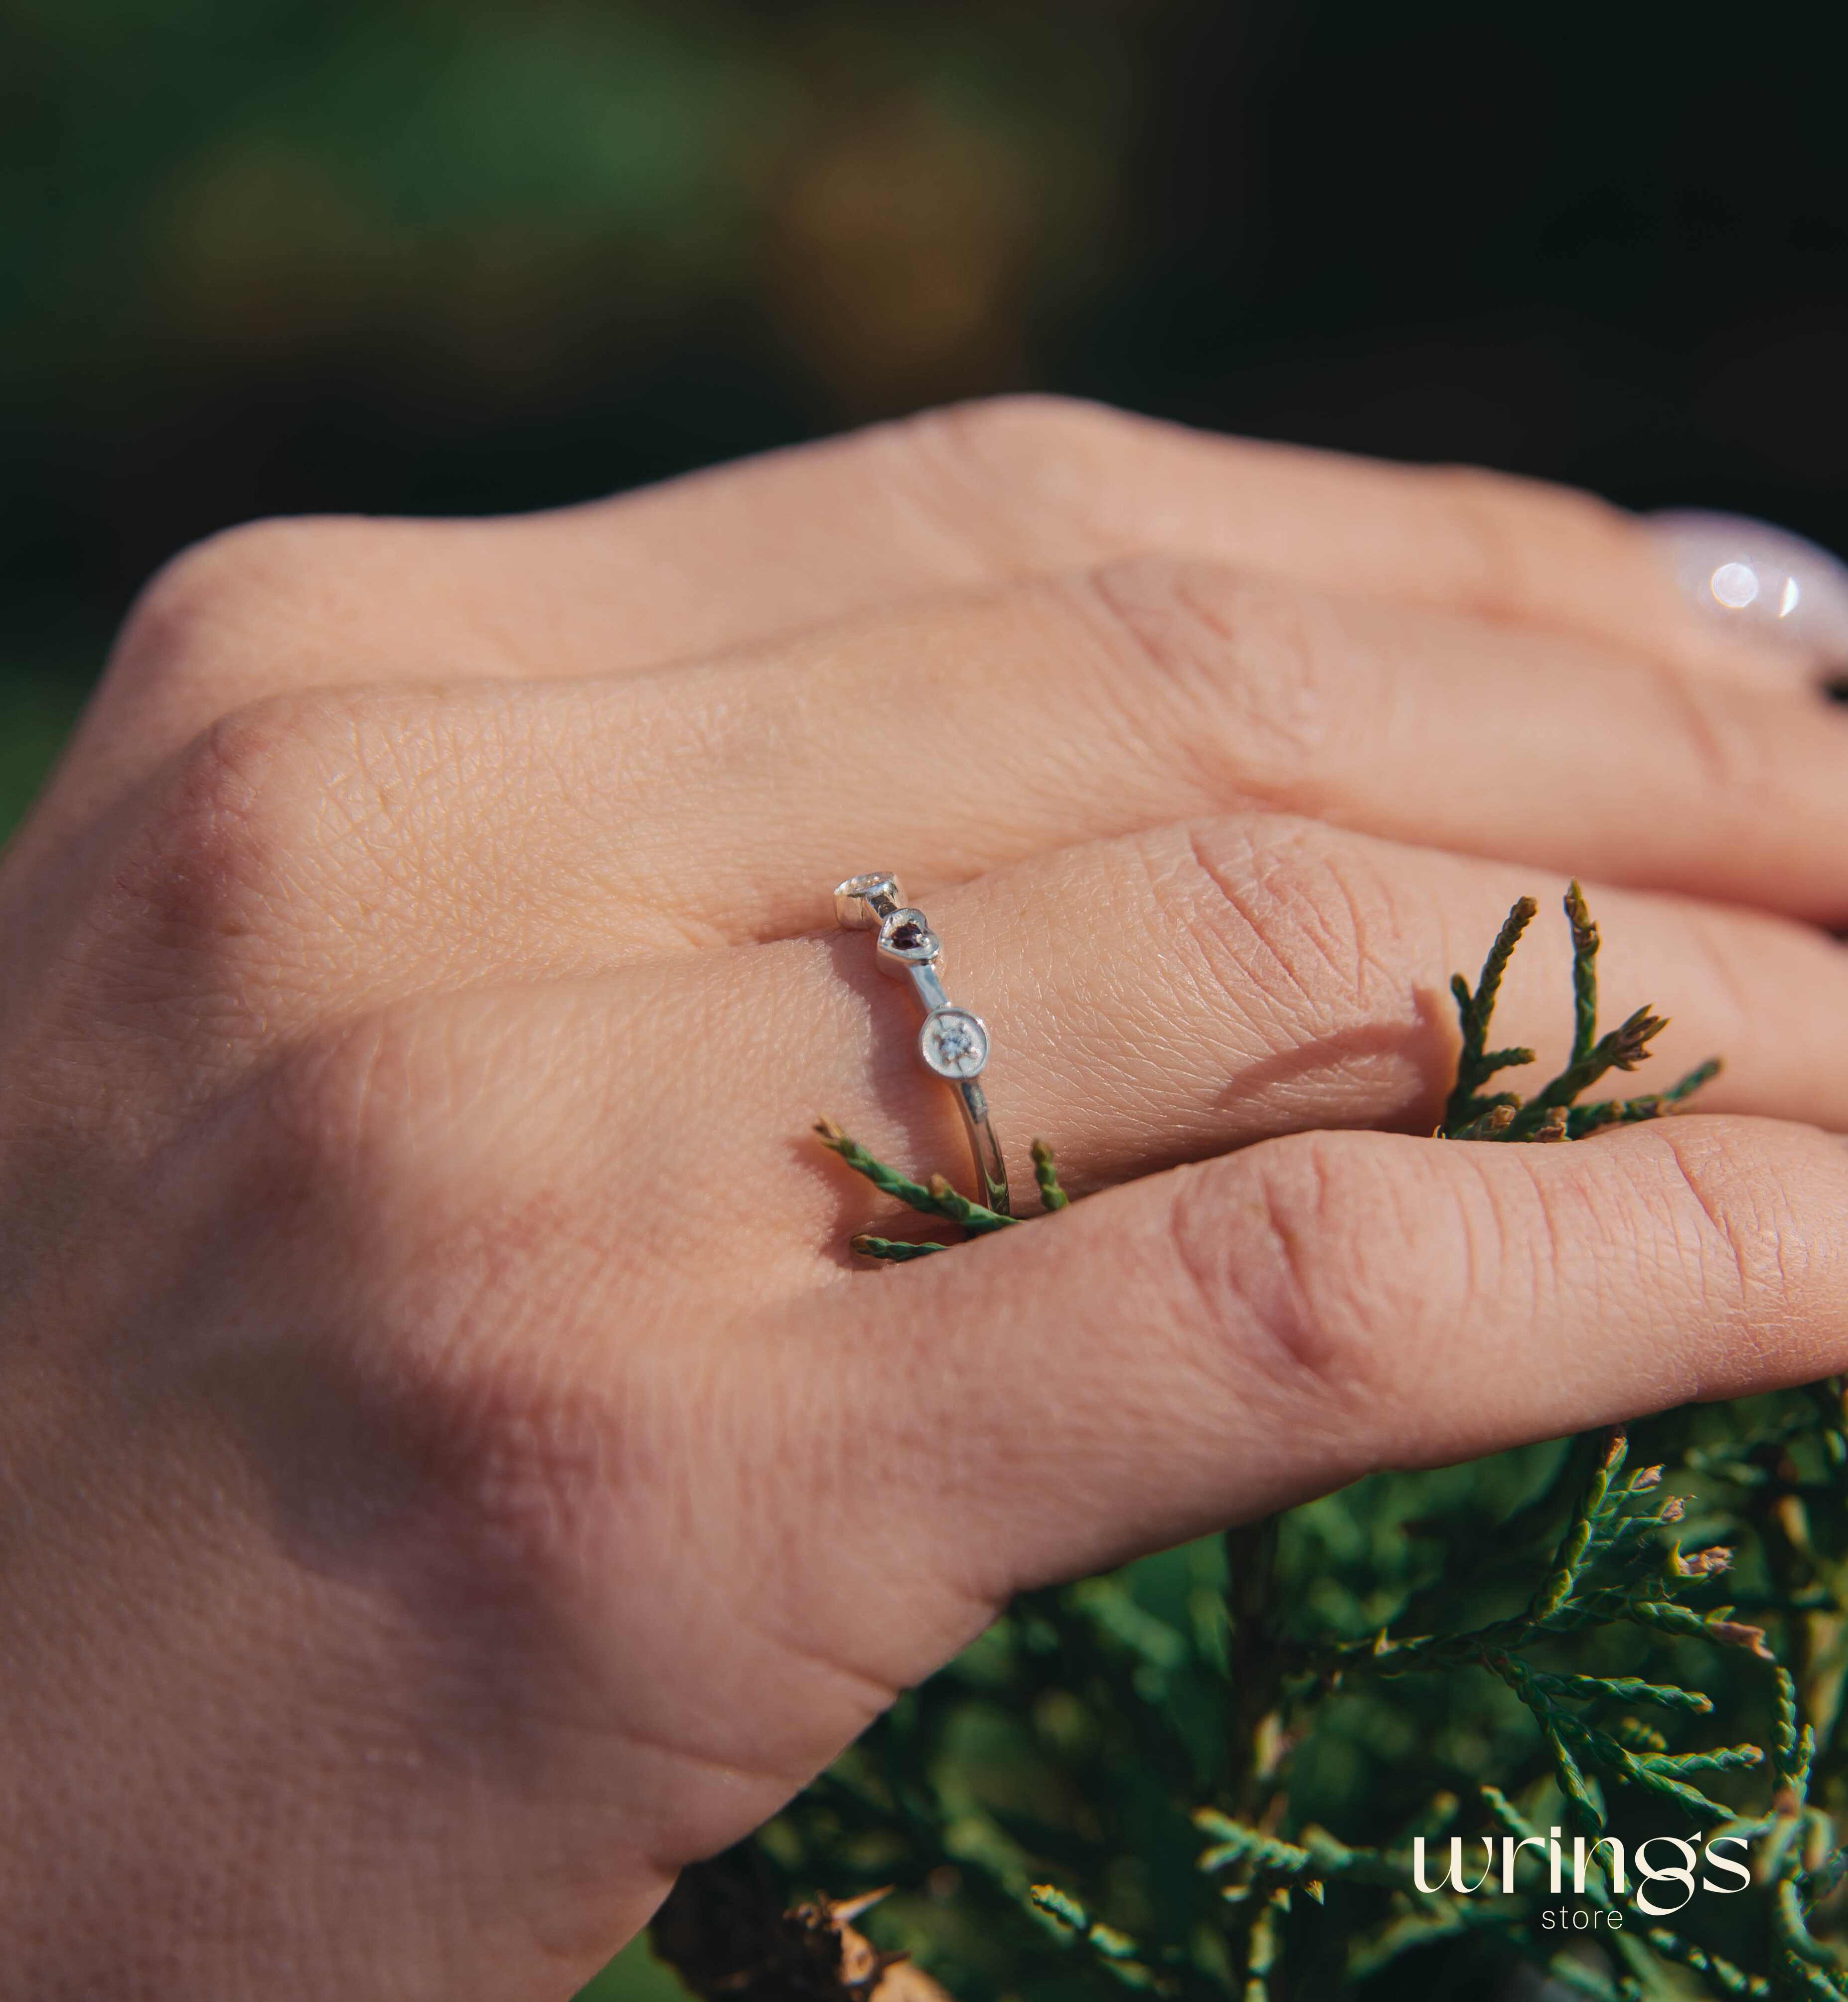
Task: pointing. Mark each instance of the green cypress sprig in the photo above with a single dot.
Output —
(1622, 1689)
(1477, 1064)
(888, 1181)
(1584, 974)
(1116, 1950)
(1727, 1979)
(1584, 1119)
(937, 1198)
(974, 1217)
(1553, 1112)
(1045, 1172)
(895, 1251)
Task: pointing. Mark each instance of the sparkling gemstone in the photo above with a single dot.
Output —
(861, 901)
(954, 1043)
(906, 940)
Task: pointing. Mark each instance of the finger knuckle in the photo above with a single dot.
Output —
(1279, 920)
(1024, 473)
(236, 590)
(1505, 570)
(1026, 435)
(217, 872)
(1280, 1261)
(1243, 677)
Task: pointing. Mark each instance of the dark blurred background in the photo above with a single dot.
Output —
(264, 255)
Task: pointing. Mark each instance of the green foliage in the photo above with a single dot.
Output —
(1112, 1812)
(938, 1199)
(1210, 1775)
(1553, 1112)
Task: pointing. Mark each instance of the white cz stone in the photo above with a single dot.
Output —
(954, 1043)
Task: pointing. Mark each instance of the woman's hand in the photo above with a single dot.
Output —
(452, 1472)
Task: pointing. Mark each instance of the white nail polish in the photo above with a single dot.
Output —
(1764, 583)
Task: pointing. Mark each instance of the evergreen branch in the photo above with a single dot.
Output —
(974, 1217)
(1622, 1048)
(1666, 1615)
(1584, 1119)
(1474, 1010)
(1793, 1933)
(1791, 1749)
(1414, 1930)
(1115, 1951)
(1239, 1842)
(1732, 1980)
(1564, 1742)
(1622, 1689)
(888, 1181)
(894, 1250)
(1045, 1172)
(1584, 974)
(1262, 1953)
(1552, 1113)
(1493, 1121)
(1559, 1587)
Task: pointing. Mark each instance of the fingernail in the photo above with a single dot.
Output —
(1761, 582)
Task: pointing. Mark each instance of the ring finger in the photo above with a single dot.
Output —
(1161, 998)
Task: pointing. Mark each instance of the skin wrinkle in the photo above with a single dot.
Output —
(937, 464)
(1294, 682)
(1721, 1229)
(1297, 910)
(1528, 1241)
(1195, 915)
(1723, 970)
(1273, 1298)
(1724, 743)
(1032, 449)
(1233, 658)
(1500, 585)
(1129, 674)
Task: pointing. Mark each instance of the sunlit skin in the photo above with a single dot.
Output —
(454, 1472)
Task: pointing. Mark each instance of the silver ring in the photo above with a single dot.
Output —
(952, 1042)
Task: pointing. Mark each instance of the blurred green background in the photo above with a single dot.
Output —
(442, 256)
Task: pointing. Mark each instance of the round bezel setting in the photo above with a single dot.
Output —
(860, 903)
(954, 1043)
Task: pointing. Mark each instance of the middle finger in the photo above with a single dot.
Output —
(630, 817)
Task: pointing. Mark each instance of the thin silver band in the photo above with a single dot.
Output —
(952, 1043)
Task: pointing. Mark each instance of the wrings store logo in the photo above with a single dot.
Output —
(1704, 1864)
